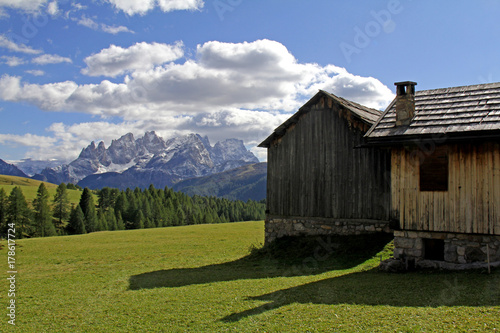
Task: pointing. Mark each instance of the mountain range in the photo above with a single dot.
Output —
(130, 162)
(10, 170)
(187, 163)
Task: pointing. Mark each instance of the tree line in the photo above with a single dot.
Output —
(116, 210)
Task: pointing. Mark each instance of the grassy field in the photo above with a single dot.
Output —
(214, 278)
(30, 187)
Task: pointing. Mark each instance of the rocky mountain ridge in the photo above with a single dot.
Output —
(10, 170)
(130, 162)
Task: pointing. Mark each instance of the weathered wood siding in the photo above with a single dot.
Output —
(314, 169)
(472, 202)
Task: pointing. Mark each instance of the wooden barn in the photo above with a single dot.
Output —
(318, 181)
(445, 172)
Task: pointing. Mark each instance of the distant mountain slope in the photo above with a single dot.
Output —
(22, 181)
(243, 183)
(149, 160)
(30, 187)
(32, 167)
(10, 170)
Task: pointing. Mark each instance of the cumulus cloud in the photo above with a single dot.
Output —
(132, 7)
(14, 47)
(116, 60)
(223, 76)
(46, 59)
(29, 140)
(52, 96)
(242, 90)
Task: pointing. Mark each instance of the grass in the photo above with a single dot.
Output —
(218, 278)
(30, 188)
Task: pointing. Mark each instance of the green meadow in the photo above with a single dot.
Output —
(30, 188)
(218, 278)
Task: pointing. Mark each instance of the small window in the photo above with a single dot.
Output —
(434, 171)
(433, 249)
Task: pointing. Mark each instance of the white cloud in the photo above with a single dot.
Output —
(114, 29)
(13, 61)
(49, 97)
(242, 90)
(50, 59)
(14, 47)
(75, 7)
(116, 60)
(52, 8)
(171, 5)
(261, 75)
(88, 22)
(132, 7)
(27, 5)
(35, 72)
(29, 140)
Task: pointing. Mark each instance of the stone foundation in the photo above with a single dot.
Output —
(277, 227)
(456, 248)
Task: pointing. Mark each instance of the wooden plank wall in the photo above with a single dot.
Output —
(314, 170)
(472, 202)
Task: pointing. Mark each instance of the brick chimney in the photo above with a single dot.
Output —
(405, 102)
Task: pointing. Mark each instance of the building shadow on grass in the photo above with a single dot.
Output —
(288, 256)
(416, 289)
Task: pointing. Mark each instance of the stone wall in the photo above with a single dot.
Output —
(458, 248)
(277, 227)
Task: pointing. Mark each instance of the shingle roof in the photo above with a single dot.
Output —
(448, 111)
(365, 114)
(368, 115)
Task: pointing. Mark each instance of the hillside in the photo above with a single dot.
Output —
(246, 182)
(203, 278)
(30, 187)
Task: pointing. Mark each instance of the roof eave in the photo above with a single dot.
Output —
(436, 139)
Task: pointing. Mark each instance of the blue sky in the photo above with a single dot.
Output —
(75, 72)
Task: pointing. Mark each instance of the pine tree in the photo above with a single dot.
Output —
(121, 205)
(111, 219)
(18, 213)
(76, 223)
(149, 223)
(61, 207)
(107, 198)
(180, 216)
(88, 208)
(43, 213)
(119, 222)
(100, 222)
(138, 221)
